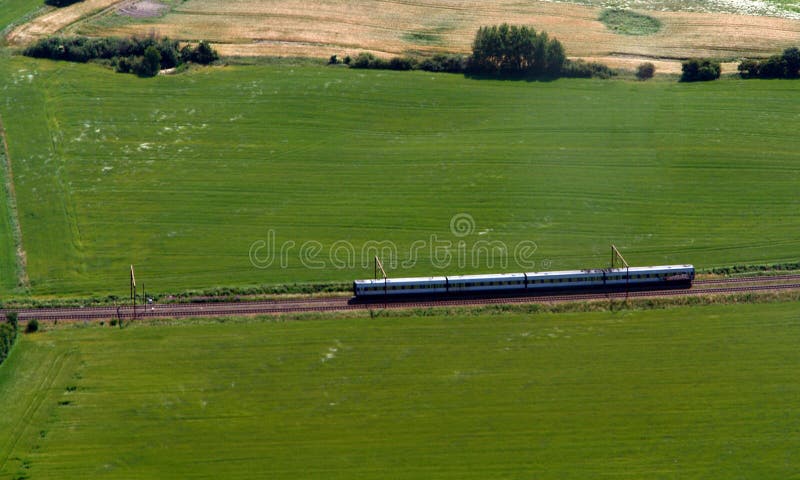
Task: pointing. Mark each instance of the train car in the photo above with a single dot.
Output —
(657, 276)
(400, 286)
(633, 276)
(485, 283)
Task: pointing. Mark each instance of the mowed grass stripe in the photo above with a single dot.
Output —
(180, 175)
(700, 393)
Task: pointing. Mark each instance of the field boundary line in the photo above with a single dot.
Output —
(11, 196)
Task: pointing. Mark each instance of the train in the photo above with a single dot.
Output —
(665, 276)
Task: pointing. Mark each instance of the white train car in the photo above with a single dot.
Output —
(666, 275)
(612, 277)
(485, 283)
(400, 286)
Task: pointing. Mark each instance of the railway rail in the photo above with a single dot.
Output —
(276, 307)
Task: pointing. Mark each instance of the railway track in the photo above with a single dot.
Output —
(275, 307)
(763, 279)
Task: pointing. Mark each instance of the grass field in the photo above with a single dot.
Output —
(9, 271)
(181, 175)
(707, 392)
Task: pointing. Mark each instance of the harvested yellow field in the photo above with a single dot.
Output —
(325, 27)
(56, 20)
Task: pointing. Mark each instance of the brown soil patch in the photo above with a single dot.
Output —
(142, 9)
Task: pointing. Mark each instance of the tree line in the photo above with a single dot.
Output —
(502, 51)
(142, 56)
(786, 65)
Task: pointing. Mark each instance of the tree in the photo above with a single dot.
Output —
(749, 69)
(511, 50)
(791, 61)
(700, 70)
(645, 71)
(204, 54)
(773, 67)
(556, 57)
(32, 326)
(150, 63)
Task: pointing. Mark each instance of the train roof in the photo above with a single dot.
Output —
(478, 278)
(660, 268)
(399, 281)
(486, 277)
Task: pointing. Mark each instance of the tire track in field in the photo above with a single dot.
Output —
(11, 197)
(26, 419)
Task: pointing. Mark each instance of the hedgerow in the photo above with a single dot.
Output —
(786, 65)
(497, 51)
(142, 56)
(8, 334)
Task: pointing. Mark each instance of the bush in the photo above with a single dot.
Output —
(149, 64)
(791, 61)
(700, 70)
(8, 334)
(33, 326)
(368, 60)
(583, 69)
(13, 319)
(401, 63)
(444, 63)
(645, 71)
(773, 67)
(202, 53)
(749, 69)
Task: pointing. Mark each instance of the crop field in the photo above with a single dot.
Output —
(333, 27)
(191, 177)
(11, 11)
(708, 392)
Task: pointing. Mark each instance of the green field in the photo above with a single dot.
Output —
(181, 175)
(11, 11)
(707, 392)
